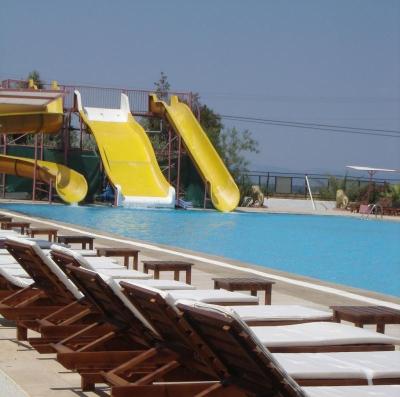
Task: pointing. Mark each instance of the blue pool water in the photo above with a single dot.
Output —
(359, 253)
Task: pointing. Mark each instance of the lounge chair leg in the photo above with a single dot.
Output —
(87, 383)
(22, 333)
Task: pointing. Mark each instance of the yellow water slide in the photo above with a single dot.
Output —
(33, 111)
(128, 156)
(223, 190)
(30, 111)
(69, 184)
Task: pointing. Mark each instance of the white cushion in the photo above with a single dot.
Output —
(353, 391)
(160, 284)
(280, 313)
(15, 280)
(116, 288)
(7, 259)
(6, 233)
(16, 271)
(86, 252)
(213, 295)
(51, 266)
(124, 273)
(343, 365)
(319, 334)
(101, 262)
(120, 272)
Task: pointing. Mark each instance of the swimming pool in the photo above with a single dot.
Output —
(355, 252)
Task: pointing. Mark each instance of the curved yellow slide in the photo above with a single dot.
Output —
(30, 111)
(33, 111)
(70, 185)
(223, 190)
(128, 156)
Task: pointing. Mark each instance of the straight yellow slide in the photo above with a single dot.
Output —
(70, 185)
(223, 190)
(128, 156)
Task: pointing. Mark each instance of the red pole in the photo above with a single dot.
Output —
(169, 153)
(4, 175)
(81, 133)
(41, 145)
(34, 172)
(50, 191)
(178, 180)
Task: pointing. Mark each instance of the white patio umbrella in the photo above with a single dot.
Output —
(371, 172)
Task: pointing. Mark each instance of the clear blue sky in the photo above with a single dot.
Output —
(334, 62)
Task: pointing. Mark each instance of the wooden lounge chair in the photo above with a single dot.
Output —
(106, 294)
(52, 297)
(163, 314)
(304, 337)
(134, 339)
(249, 364)
(64, 257)
(158, 308)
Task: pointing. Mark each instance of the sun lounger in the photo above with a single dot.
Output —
(129, 331)
(106, 294)
(306, 337)
(94, 284)
(250, 366)
(159, 307)
(50, 293)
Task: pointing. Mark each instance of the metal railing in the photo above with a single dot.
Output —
(106, 97)
(295, 184)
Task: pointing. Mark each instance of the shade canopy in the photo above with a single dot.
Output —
(370, 170)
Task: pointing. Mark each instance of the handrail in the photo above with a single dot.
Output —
(310, 193)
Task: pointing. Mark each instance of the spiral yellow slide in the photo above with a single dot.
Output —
(223, 190)
(70, 185)
(33, 111)
(128, 156)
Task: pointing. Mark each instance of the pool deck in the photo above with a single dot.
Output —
(23, 372)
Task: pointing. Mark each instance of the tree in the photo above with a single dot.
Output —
(35, 77)
(159, 139)
(233, 144)
(162, 87)
(230, 143)
(211, 123)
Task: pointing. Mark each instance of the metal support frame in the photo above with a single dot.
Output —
(4, 175)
